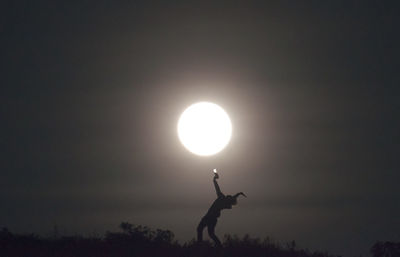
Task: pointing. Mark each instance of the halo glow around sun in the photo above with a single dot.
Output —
(204, 128)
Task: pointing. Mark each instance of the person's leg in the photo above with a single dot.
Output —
(200, 228)
(211, 233)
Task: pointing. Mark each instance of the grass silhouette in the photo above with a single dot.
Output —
(136, 240)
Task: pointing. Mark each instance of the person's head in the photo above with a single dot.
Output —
(231, 200)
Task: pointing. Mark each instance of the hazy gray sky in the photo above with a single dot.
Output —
(91, 94)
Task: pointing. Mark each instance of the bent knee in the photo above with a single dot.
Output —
(211, 232)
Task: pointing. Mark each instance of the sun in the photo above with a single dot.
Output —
(204, 128)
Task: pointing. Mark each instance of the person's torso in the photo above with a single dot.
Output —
(216, 207)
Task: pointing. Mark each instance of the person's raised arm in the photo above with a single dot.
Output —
(217, 189)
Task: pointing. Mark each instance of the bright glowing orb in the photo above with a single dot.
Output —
(204, 128)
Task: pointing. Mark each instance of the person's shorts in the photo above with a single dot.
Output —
(208, 221)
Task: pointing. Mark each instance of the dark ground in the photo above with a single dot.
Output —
(143, 241)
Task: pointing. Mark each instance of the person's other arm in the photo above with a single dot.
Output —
(241, 193)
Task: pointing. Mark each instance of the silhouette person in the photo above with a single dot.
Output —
(210, 219)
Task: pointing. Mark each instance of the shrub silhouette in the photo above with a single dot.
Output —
(385, 249)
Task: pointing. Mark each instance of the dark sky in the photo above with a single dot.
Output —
(91, 93)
